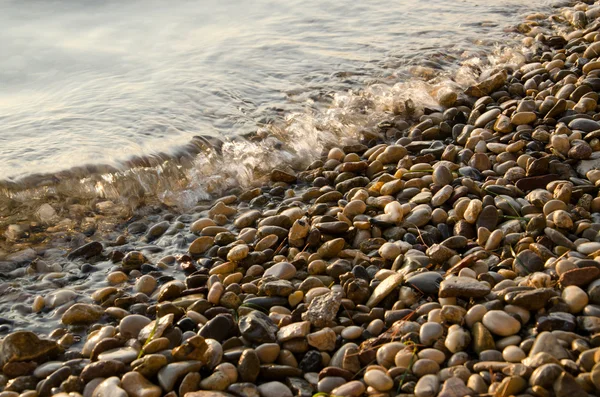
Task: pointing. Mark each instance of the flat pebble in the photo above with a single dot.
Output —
(501, 323)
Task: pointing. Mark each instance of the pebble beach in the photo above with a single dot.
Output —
(451, 250)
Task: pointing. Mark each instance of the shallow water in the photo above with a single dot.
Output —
(99, 82)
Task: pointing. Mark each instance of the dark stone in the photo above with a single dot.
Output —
(257, 327)
(75, 361)
(558, 238)
(530, 300)
(267, 302)
(348, 184)
(391, 316)
(238, 389)
(157, 230)
(508, 205)
(137, 227)
(410, 238)
(44, 388)
(357, 290)
(470, 172)
(87, 268)
(465, 229)
(360, 272)
(186, 324)
(133, 260)
(455, 242)
(147, 268)
(249, 366)
(311, 362)
(279, 372)
(591, 310)
(584, 125)
(500, 190)
(219, 328)
(527, 262)
(196, 280)
(337, 372)
(589, 324)
(536, 182)
(104, 345)
(545, 375)
(426, 282)
(444, 230)
(299, 387)
(72, 384)
(536, 224)
(21, 383)
(538, 166)
(282, 176)
(333, 227)
(86, 251)
(200, 306)
(556, 322)
(338, 268)
(277, 288)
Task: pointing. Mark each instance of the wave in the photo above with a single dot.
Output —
(207, 166)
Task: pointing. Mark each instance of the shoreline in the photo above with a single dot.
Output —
(138, 180)
(441, 253)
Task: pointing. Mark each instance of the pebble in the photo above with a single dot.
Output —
(328, 384)
(169, 374)
(26, 346)
(427, 386)
(116, 278)
(465, 287)
(459, 244)
(430, 332)
(249, 366)
(109, 387)
(82, 313)
(575, 298)
(282, 270)
(137, 386)
(274, 389)
(352, 332)
(433, 354)
(546, 342)
(351, 389)
(457, 340)
(378, 380)
(323, 340)
(201, 245)
(268, 352)
(149, 364)
(384, 288)
(501, 323)
(513, 354)
(131, 325)
(145, 284)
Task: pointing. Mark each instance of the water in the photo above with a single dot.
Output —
(100, 83)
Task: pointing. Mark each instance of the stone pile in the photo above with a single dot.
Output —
(450, 256)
